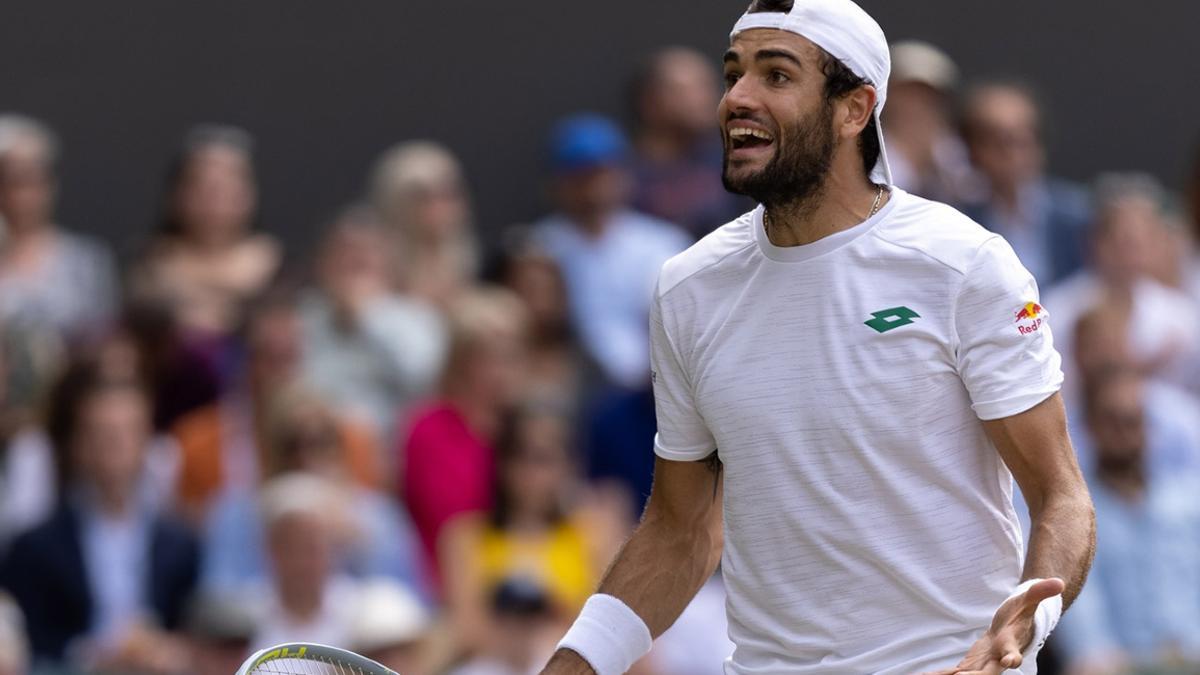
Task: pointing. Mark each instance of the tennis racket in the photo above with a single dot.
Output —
(302, 658)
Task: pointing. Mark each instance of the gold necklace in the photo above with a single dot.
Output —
(874, 210)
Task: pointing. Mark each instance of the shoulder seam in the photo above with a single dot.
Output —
(663, 294)
(927, 254)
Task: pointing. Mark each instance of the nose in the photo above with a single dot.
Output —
(739, 99)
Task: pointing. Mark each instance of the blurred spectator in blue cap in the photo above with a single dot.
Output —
(677, 160)
(609, 254)
(1043, 218)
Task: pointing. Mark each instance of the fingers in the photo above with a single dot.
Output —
(1044, 589)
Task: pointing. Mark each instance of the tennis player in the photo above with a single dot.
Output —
(851, 376)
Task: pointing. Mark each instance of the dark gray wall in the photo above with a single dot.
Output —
(326, 85)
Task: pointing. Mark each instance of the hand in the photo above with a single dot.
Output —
(1010, 633)
(567, 662)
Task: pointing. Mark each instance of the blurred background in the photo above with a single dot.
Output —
(328, 323)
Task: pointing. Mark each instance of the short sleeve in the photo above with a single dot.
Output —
(1005, 353)
(682, 435)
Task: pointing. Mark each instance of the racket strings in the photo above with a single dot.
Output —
(306, 666)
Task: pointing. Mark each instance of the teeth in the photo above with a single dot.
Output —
(741, 132)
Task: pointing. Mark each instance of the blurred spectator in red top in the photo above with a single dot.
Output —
(447, 458)
(677, 162)
(369, 350)
(48, 277)
(927, 156)
(102, 578)
(420, 193)
(222, 443)
(207, 259)
(1045, 219)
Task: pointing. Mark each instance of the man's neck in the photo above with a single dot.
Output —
(837, 206)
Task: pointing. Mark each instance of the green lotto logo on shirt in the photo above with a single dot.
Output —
(890, 319)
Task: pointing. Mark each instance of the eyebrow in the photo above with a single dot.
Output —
(765, 55)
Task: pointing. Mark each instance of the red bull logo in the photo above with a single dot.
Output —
(1031, 310)
(1033, 313)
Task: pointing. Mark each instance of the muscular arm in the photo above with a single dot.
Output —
(1035, 446)
(670, 555)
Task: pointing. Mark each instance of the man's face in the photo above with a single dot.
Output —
(683, 93)
(26, 185)
(775, 123)
(1117, 422)
(1126, 244)
(113, 430)
(1003, 136)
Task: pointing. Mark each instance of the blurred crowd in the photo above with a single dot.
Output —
(426, 449)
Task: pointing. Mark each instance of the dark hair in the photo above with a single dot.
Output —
(83, 380)
(770, 6)
(839, 81)
(196, 139)
(508, 449)
(969, 106)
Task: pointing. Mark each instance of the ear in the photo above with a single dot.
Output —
(857, 108)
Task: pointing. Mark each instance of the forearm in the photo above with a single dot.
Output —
(657, 573)
(660, 569)
(1063, 541)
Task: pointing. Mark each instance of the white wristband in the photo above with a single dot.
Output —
(1049, 611)
(609, 635)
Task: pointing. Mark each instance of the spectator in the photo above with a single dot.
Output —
(306, 600)
(104, 576)
(609, 255)
(29, 464)
(391, 627)
(14, 652)
(1172, 415)
(536, 532)
(678, 154)
(222, 443)
(1043, 218)
(447, 464)
(419, 191)
(370, 350)
(1163, 323)
(925, 153)
(206, 259)
(1139, 607)
(557, 370)
(48, 277)
(301, 436)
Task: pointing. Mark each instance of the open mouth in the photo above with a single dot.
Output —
(748, 137)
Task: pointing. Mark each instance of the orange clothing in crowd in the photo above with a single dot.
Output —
(204, 437)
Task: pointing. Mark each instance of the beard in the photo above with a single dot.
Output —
(797, 172)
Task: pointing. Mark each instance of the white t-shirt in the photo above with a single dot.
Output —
(869, 525)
